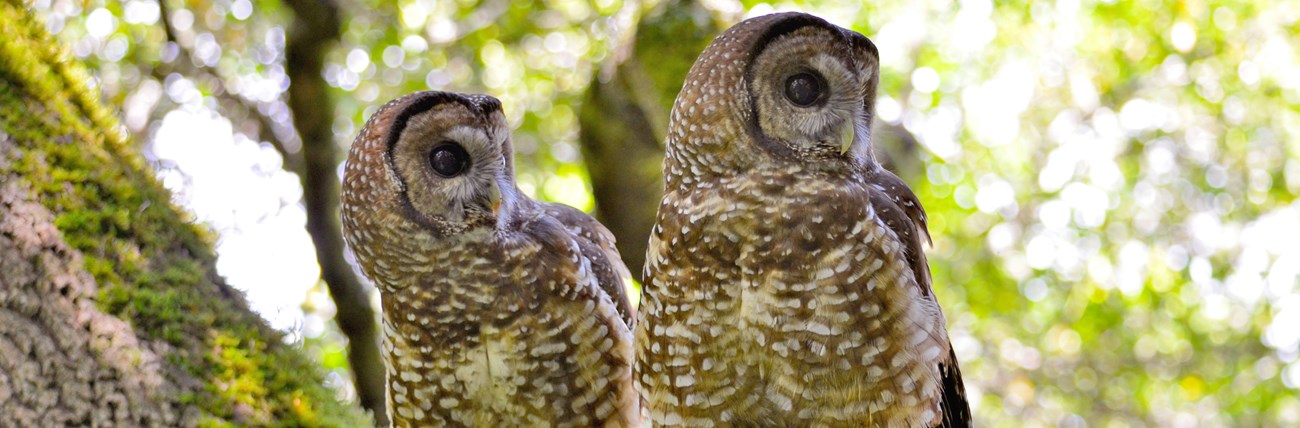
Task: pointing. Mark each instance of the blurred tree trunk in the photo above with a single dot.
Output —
(624, 119)
(898, 151)
(315, 28)
(111, 310)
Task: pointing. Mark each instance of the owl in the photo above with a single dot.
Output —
(497, 309)
(785, 283)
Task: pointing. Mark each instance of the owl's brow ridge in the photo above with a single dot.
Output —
(421, 103)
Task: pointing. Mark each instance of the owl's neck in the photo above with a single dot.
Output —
(689, 180)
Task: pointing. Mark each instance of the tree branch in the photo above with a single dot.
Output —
(309, 150)
(289, 149)
(316, 27)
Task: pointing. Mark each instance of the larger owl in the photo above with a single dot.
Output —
(785, 282)
(498, 310)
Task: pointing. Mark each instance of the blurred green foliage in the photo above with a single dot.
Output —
(1111, 185)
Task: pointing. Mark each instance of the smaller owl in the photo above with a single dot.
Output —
(497, 309)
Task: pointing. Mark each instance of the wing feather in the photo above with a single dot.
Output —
(901, 211)
(597, 244)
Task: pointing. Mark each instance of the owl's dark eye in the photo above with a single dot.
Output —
(449, 160)
(804, 89)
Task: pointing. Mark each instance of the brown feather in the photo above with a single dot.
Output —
(786, 283)
(495, 311)
(902, 212)
(597, 244)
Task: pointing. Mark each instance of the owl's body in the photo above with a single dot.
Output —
(762, 323)
(497, 309)
(785, 279)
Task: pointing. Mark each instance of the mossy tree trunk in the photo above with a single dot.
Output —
(111, 311)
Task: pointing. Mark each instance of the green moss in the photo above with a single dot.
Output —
(211, 422)
(154, 269)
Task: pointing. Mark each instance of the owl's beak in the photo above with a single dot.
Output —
(494, 198)
(847, 135)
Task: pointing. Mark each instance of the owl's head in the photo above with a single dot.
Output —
(434, 162)
(785, 87)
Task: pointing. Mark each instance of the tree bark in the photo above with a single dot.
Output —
(111, 311)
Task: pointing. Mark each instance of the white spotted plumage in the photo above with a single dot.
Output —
(496, 308)
(782, 240)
